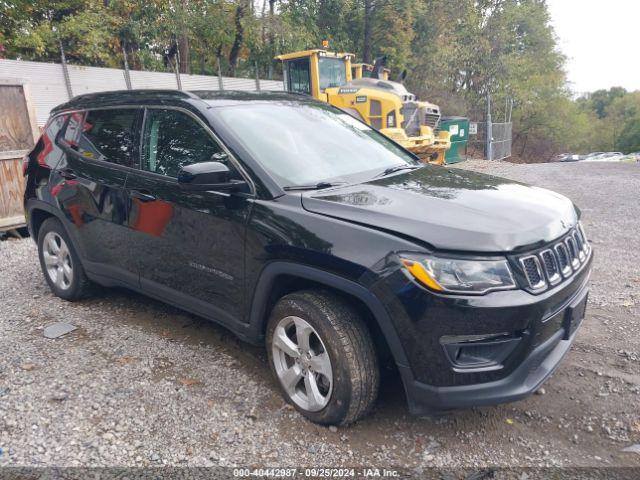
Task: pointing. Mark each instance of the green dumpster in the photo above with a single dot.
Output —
(458, 127)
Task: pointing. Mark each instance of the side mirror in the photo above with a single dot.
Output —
(208, 176)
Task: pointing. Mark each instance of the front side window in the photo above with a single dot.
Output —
(333, 72)
(303, 144)
(107, 135)
(173, 139)
(299, 76)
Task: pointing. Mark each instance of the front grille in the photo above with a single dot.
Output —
(432, 120)
(562, 259)
(415, 117)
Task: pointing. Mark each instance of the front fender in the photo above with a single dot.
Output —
(269, 275)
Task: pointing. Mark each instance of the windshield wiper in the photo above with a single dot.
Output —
(315, 186)
(397, 168)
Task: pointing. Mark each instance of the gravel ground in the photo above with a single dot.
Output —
(142, 384)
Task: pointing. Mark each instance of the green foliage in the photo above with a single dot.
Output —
(457, 53)
(629, 139)
(616, 115)
(600, 100)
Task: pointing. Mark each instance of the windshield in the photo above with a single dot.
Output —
(301, 144)
(333, 72)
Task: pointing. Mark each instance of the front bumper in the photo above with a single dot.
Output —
(544, 327)
(425, 399)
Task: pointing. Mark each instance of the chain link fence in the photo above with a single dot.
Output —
(500, 143)
(492, 140)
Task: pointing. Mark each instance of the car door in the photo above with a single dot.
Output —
(100, 147)
(189, 245)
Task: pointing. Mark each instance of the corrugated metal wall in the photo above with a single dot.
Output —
(94, 79)
(47, 84)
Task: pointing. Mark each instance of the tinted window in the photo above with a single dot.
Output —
(308, 143)
(108, 135)
(173, 139)
(299, 77)
(333, 72)
(49, 153)
(72, 132)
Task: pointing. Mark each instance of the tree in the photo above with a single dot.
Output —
(457, 53)
(600, 100)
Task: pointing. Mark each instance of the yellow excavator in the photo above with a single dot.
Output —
(371, 97)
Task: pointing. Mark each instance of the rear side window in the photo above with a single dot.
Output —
(173, 139)
(109, 135)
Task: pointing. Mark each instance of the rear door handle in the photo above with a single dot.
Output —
(143, 195)
(68, 174)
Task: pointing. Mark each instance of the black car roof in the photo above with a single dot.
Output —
(168, 97)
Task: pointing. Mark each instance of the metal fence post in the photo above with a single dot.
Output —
(127, 77)
(220, 82)
(489, 147)
(65, 70)
(177, 68)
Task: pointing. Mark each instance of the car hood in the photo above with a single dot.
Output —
(451, 209)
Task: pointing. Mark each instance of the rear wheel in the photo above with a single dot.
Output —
(59, 262)
(323, 358)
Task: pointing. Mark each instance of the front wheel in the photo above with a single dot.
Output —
(323, 358)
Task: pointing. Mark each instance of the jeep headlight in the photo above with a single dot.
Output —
(457, 275)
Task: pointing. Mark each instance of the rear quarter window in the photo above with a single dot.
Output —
(109, 136)
(47, 152)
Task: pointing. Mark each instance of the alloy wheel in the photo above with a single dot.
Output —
(302, 363)
(57, 260)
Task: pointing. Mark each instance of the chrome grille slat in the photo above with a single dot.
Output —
(573, 252)
(579, 245)
(551, 268)
(563, 259)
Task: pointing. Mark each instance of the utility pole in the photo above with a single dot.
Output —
(489, 147)
(257, 77)
(220, 82)
(177, 67)
(65, 70)
(127, 77)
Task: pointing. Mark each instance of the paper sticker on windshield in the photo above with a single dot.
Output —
(352, 122)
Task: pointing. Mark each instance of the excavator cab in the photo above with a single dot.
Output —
(385, 105)
(312, 72)
(365, 70)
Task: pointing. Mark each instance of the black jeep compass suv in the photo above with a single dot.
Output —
(291, 223)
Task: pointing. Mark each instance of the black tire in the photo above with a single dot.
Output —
(79, 284)
(347, 340)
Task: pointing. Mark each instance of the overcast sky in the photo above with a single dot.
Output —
(601, 40)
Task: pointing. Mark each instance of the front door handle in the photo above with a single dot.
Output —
(67, 174)
(143, 195)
